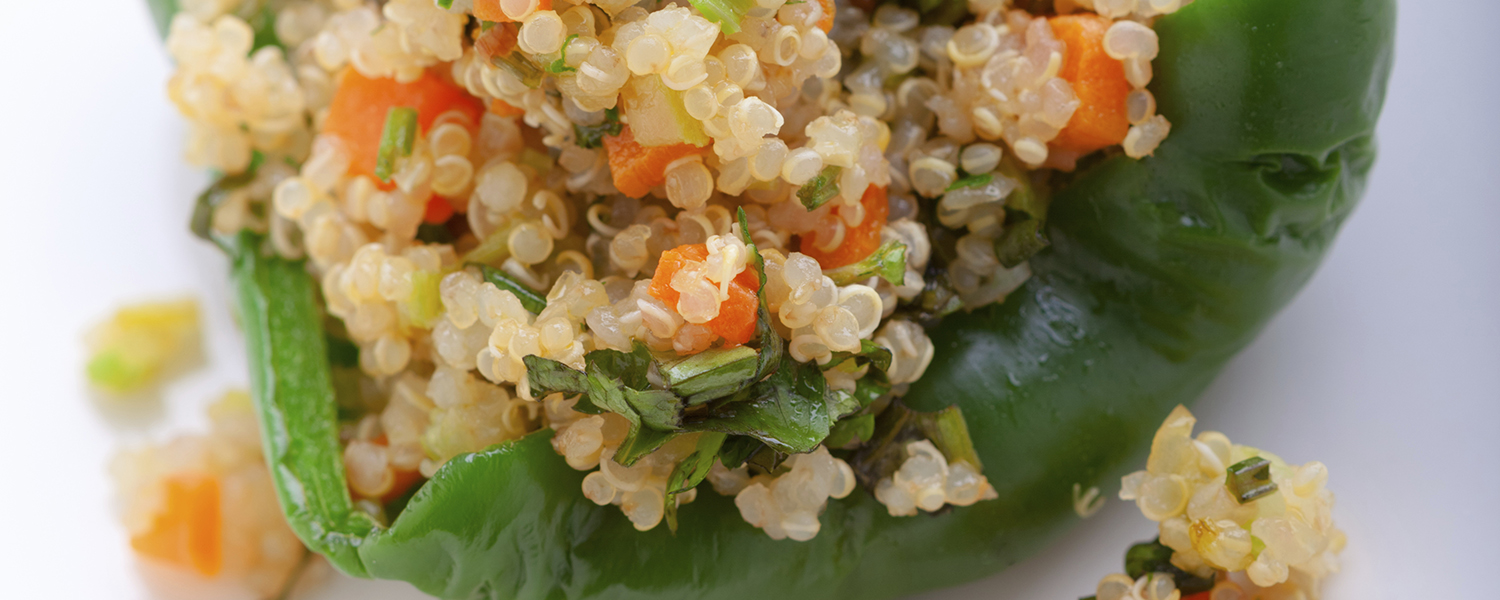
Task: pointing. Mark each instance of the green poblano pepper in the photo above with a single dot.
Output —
(1159, 271)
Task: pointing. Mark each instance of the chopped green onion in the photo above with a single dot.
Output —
(1020, 242)
(710, 374)
(972, 181)
(727, 13)
(1250, 480)
(445, 4)
(396, 140)
(561, 64)
(1154, 557)
(592, 136)
(819, 190)
(530, 299)
(888, 261)
(948, 431)
(521, 67)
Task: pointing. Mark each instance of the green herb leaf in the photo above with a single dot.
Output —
(640, 442)
(202, 221)
(396, 140)
(561, 64)
(548, 376)
(659, 409)
(629, 367)
(434, 233)
(592, 136)
(617, 382)
(263, 23)
(1155, 557)
(819, 190)
(888, 261)
(445, 4)
(690, 472)
(787, 410)
(874, 354)
(1250, 480)
(971, 181)
(738, 449)
(854, 430)
(532, 300)
(727, 13)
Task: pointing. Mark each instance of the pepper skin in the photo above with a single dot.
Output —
(1159, 271)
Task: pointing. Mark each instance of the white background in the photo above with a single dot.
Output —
(1387, 367)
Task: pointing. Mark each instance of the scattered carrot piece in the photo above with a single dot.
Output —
(504, 109)
(636, 168)
(489, 10)
(439, 210)
(859, 241)
(358, 110)
(737, 315)
(189, 530)
(1098, 80)
(829, 9)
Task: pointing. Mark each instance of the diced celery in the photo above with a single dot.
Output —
(727, 13)
(657, 115)
(425, 304)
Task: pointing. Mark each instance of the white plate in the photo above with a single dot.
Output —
(1387, 368)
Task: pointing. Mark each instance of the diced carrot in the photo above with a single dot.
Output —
(670, 263)
(737, 315)
(636, 168)
(504, 109)
(358, 110)
(859, 241)
(829, 9)
(404, 482)
(1098, 80)
(189, 530)
(489, 10)
(439, 210)
(736, 320)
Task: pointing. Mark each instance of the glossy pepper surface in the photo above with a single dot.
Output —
(1159, 271)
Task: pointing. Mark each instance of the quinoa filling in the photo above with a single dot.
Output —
(699, 240)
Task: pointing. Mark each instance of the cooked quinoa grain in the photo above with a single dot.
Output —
(483, 191)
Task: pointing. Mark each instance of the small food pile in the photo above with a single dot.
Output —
(204, 504)
(142, 344)
(696, 239)
(1237, 523)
